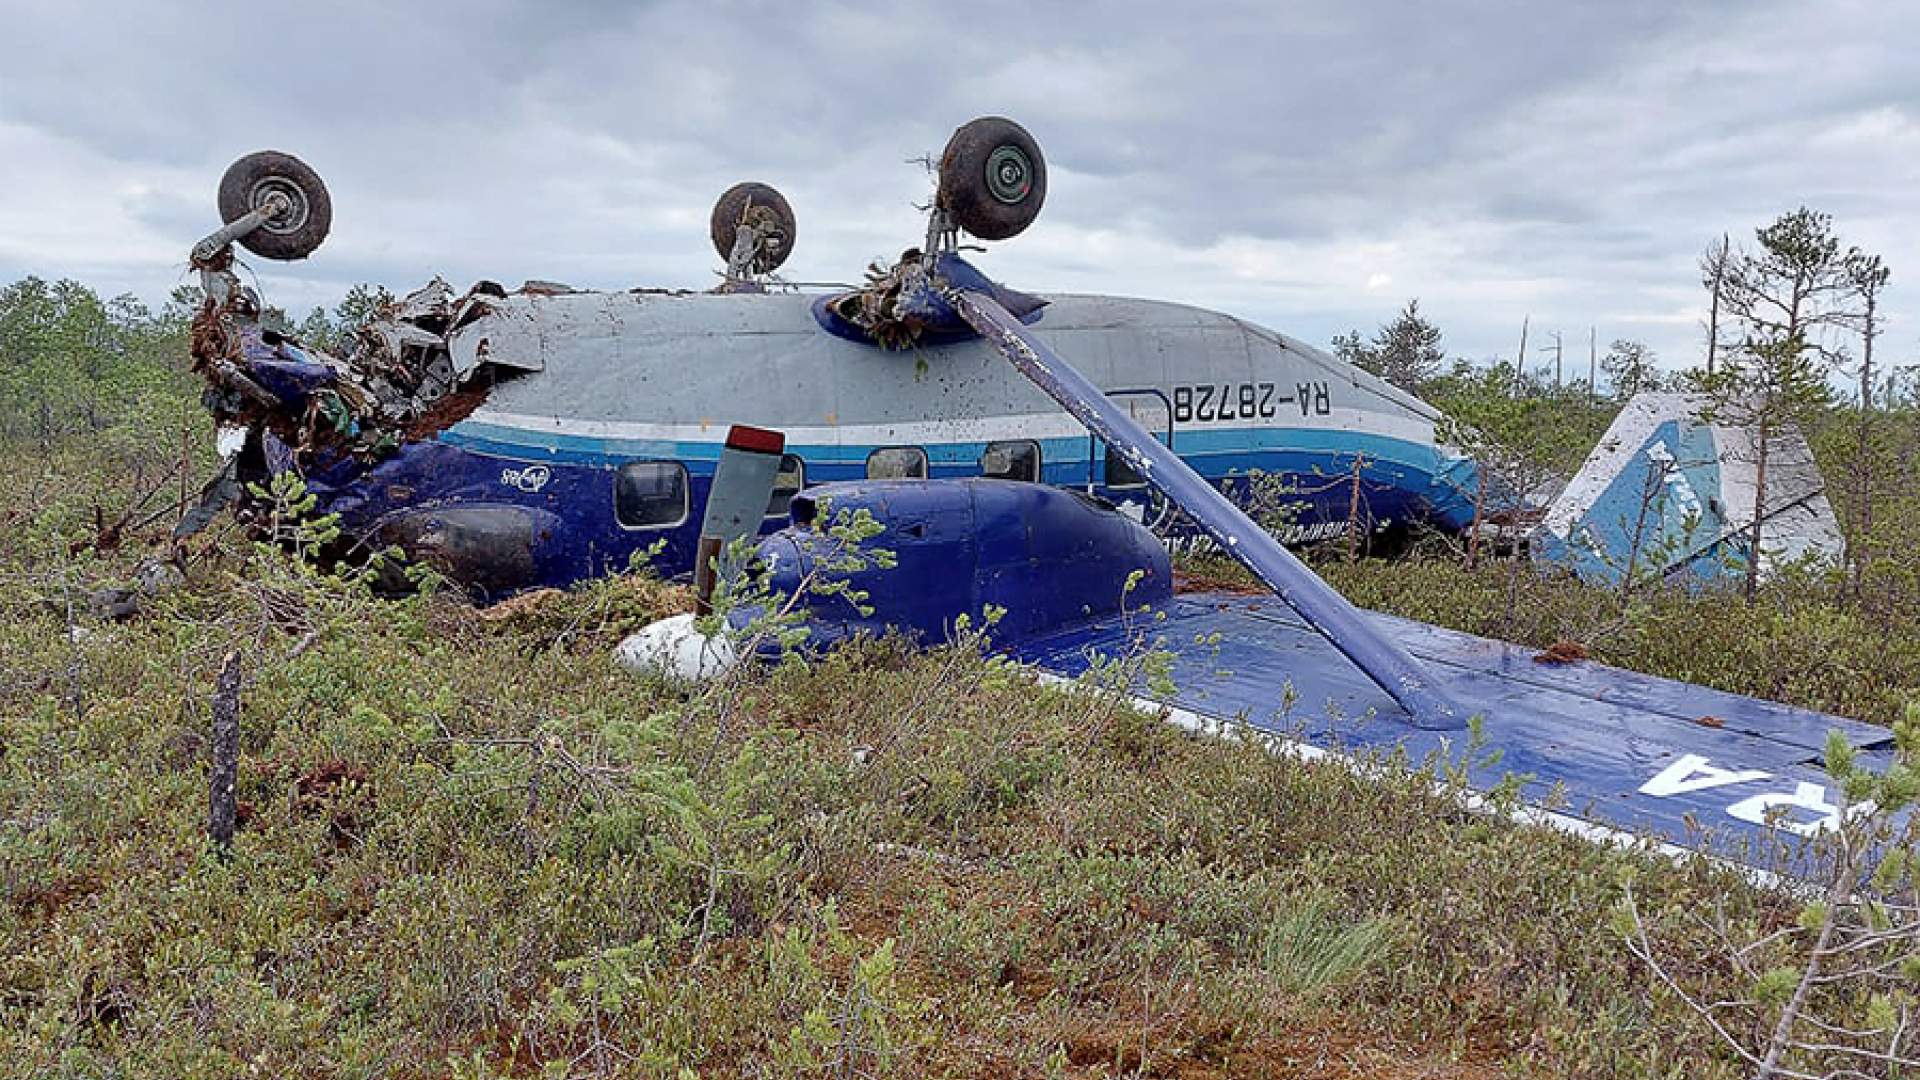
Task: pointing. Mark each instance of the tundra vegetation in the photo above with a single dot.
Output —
(463, 843)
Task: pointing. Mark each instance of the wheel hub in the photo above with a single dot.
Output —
(1009, 174)
(288, 220)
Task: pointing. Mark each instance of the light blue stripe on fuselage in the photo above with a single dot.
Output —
(1403, 477)
(1214, 453)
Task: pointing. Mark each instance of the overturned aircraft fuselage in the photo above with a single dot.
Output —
(544, 436)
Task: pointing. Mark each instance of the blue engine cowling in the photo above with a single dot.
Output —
(1047, 556)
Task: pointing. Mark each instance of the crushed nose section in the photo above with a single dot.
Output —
(405, 373)
(1671, 492)
(421, 364)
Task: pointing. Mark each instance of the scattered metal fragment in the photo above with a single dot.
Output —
(417, 367)
(121, 602)
(877, 308)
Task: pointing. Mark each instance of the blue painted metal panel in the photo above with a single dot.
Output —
(1669, 503)
(292, 381)
(1609, 747)
(1047, 557)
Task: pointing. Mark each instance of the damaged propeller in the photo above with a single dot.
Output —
(736, 503)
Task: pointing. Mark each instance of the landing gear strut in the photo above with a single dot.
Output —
(753, 229)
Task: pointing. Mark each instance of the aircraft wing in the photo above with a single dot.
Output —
(1604, 753)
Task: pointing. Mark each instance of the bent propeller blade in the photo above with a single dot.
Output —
(1385, 661)
(737, 502)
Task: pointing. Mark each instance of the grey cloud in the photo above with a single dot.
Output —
(1310, 168)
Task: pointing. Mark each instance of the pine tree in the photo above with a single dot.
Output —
(1406, 351)
(1629, 368)
(1786, 296)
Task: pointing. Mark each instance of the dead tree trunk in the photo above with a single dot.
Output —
(1593, 364)
(1716, 277)
(1837, 897)
(226, 754)
(1353, 514)
(1479, 516)
(1520, 359)
(1863, 465)
(1650, 492)
(1759, 511)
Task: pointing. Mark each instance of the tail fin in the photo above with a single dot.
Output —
(1671, 492)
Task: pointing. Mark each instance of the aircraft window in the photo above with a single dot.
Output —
(1016, 460)
(1120, 474)
(650, 494)
(1149, 409)
(786, 484)
(897, 463)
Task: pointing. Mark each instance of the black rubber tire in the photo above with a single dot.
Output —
(993, 179)
(294, 235)
(761, 200)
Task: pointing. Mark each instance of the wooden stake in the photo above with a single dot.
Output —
(226, 754)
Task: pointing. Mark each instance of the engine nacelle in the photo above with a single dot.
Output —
(1047, 556)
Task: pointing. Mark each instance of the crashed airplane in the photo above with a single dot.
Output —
(1019, 452)
(544, 435)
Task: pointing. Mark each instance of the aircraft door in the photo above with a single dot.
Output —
(1113, 477)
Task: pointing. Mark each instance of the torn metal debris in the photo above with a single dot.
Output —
(411, 369)
(901, 306)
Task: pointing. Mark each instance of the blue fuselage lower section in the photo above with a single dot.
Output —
(591, 395)
(566, 483)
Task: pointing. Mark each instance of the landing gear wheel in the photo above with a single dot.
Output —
(296, 231)
(992, 178)
(767, 211)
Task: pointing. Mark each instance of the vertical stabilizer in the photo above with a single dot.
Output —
(1670, 493)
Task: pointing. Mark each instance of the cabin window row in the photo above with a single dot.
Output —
(655, 494)
(1016, 459)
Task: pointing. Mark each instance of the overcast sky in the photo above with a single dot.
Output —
(1308, 166)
